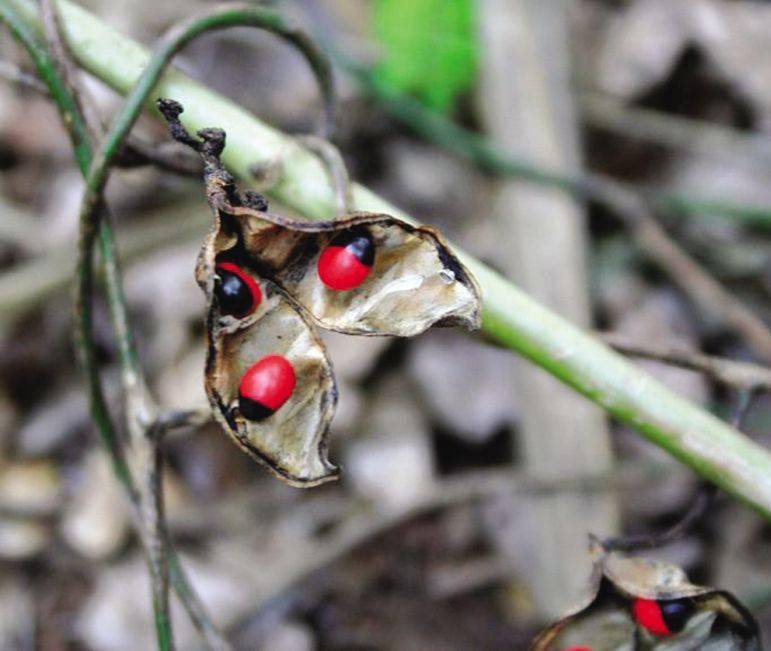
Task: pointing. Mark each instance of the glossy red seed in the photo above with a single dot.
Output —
(647, 613)
(578, 648)
(246, 278)
(340, 269)
(268, 382)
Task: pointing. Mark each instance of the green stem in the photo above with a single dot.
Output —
(709, 446)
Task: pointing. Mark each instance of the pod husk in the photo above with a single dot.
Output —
(603, 621)
(292, 442)
(416, 282)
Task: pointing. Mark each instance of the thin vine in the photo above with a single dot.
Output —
(145, 427)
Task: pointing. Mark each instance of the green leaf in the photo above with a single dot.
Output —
(428, 48)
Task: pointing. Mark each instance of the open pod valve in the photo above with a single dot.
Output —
(270, 281)
(635, 604)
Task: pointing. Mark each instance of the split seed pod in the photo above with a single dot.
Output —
(268, 379)
(635, 603)
(270, 280)
(365, 274)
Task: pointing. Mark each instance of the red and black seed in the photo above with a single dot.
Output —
(265, 387)
(238, 294)
(662, 617)
(347, 260)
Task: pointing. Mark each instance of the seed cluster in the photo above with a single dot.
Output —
(268, 383)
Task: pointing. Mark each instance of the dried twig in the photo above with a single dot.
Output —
(182, 419)
(166, 156)
(698, 285)
(701, 503)
(740, 375)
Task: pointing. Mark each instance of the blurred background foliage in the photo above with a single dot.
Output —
(428, 48)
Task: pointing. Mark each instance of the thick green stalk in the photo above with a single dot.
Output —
(703, 442)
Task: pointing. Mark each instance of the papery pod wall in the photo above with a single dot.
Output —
(636, 604)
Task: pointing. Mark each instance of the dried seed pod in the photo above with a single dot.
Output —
(268, 377)
(366, 274)
(636, 603)
(267, 278)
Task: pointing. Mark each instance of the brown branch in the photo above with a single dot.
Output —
(685, 272)
(740, 375)
(166, 156)
(182, 419)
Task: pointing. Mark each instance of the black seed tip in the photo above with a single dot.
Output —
(253, 410)
(676, 613)
(359, 242)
